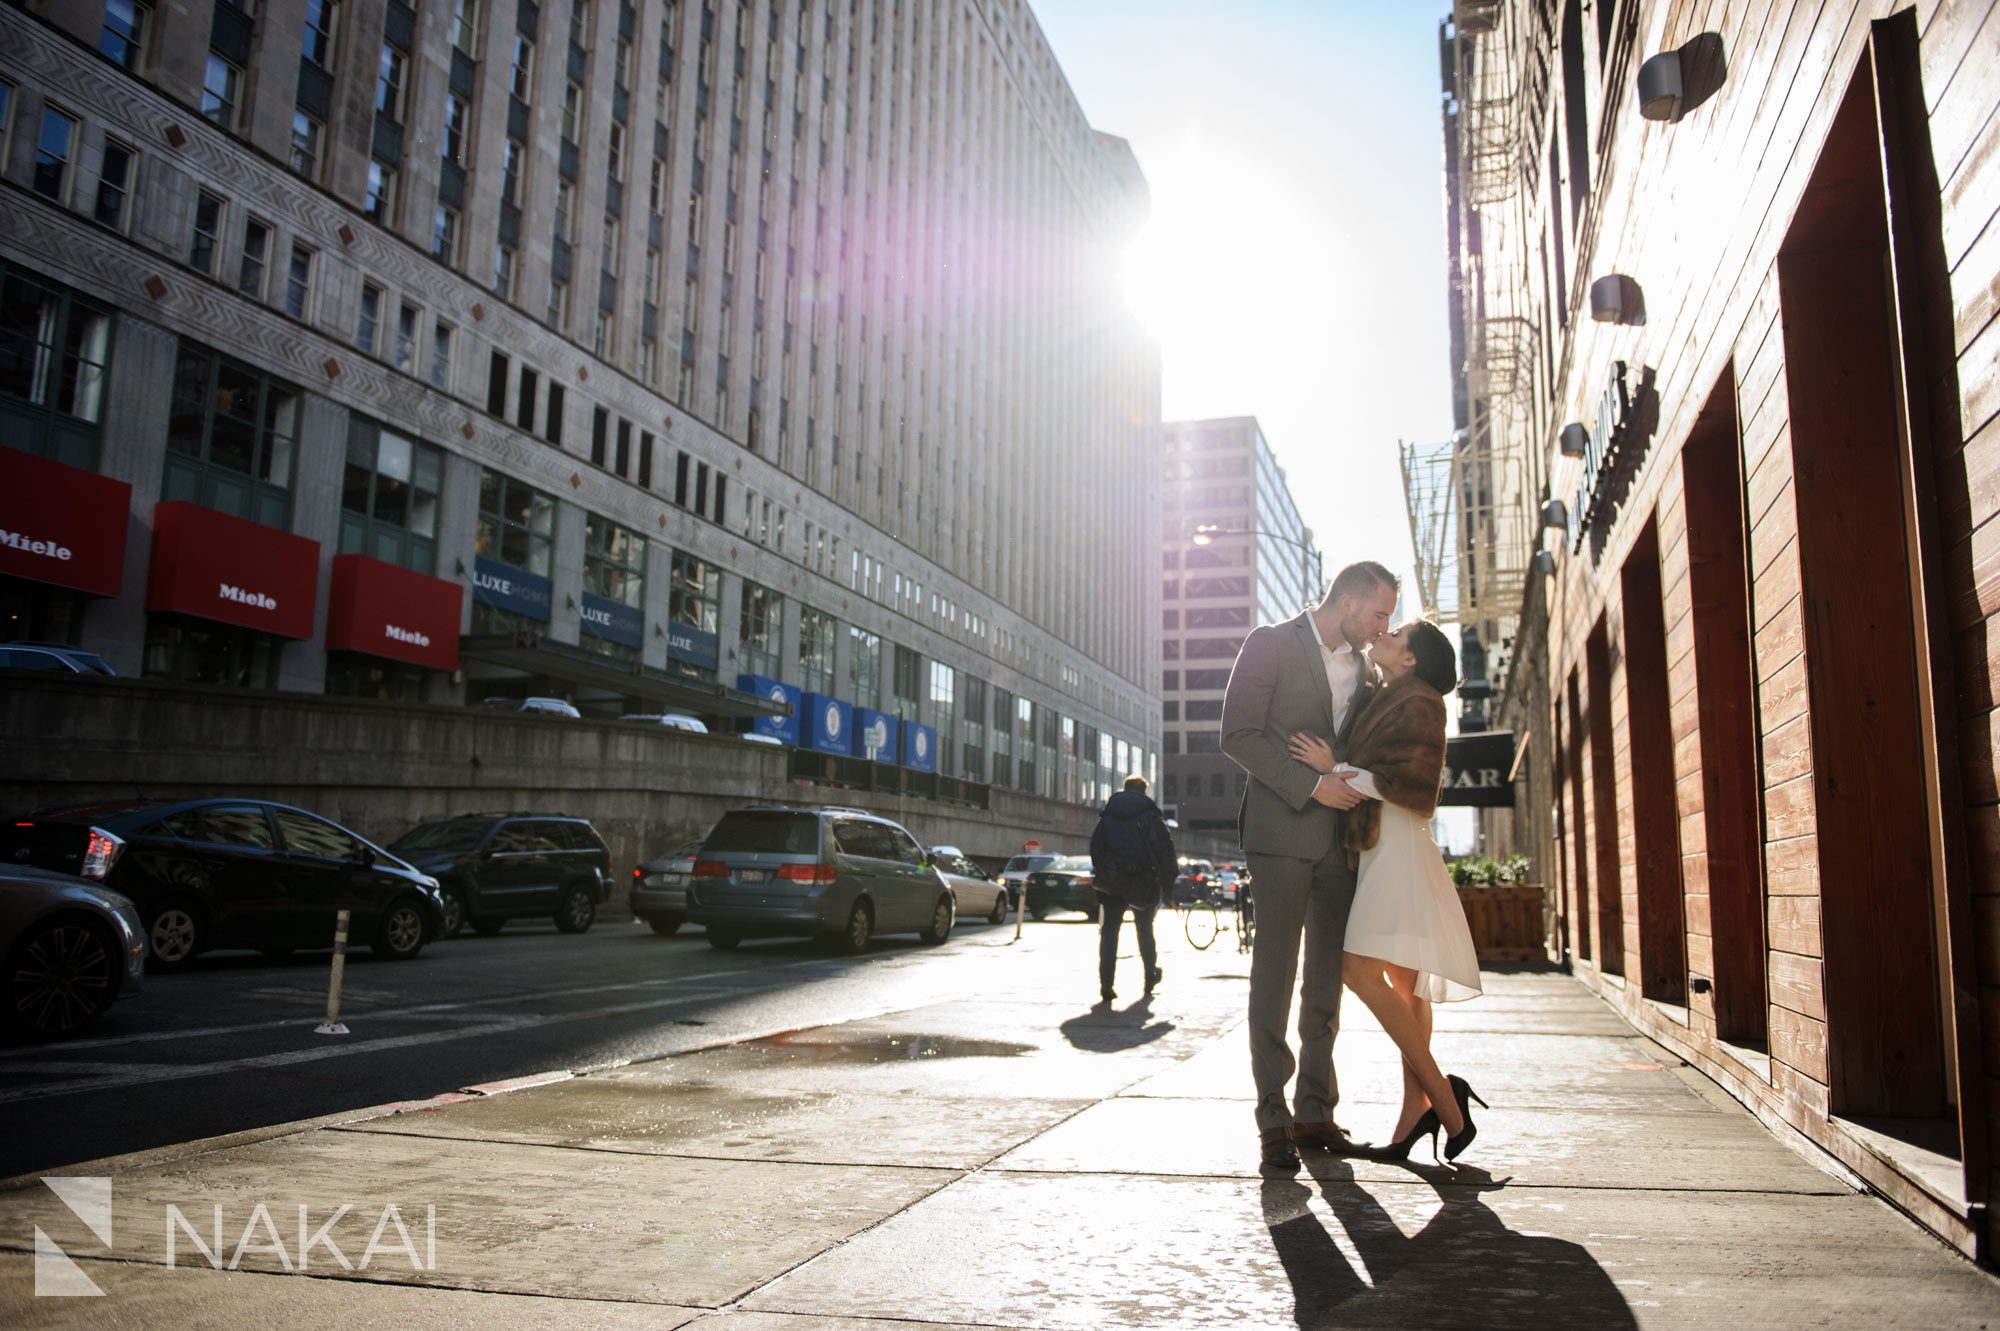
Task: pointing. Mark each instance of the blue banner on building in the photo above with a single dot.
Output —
(919, 747)
(612, 620)
(785, 728)
(826, 723)
(875, 735)
(696, 647)
(508, 588)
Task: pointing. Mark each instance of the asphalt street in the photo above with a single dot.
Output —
(229, 1044)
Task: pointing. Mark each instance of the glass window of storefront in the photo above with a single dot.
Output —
(864, 667)
(693, 603)
(816, 637)
(760, 631)
(196, 651)
(973, 751)
(231, 434)
(614, 572)
(389, 497)
(517, 525)
(944, 714)
(54, 349)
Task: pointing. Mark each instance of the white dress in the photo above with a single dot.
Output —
(1406, 908)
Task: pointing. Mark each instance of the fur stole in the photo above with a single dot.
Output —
(1400, 739)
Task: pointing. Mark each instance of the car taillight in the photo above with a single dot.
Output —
(100, 854)
(1084, 880)
(710, 869)
(809, 873)
(638, 872)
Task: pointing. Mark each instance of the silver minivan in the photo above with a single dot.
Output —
(839, 874)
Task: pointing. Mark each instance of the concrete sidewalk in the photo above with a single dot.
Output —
(1021, 1161)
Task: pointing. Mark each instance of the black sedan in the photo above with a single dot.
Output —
(69, 949)
(223, 873)
(1064, 884)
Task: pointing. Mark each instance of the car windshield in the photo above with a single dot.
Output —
(1028, 863)
(442, 838)
(764, 832)
(1071, 862)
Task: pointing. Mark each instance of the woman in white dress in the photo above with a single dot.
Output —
(1408, 944)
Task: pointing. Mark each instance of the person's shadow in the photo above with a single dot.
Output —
(1104, 1030)
(1465, 1268)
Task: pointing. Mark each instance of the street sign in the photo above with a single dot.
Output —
(1032, 846)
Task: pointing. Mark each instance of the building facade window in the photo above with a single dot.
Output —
(317, 45)
(306, 132)
(457, 127)
(232, 432)
(408, 317)
(390, 72)
(123, 39)
(972, 727)
(465, 26)
(511, 158)
(204, 244)
(114, 185)
(614, 568)
(367, 330)
(195, 651)
(503, 272)
(54, 147)
(255, 258)
(760, 631)
(816, 637)
(442, 337)
(389, 497)
(221, 87)
(694, 600)
(54, 347)
(521, 79)
(944, 714)
(298, 283)
(517, 525)
(378, 205)
(444, 236)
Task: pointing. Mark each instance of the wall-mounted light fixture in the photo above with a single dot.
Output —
(1575, 440)
(1673, 83)
(1543, 564)
(1555, 515)
(1617, 299)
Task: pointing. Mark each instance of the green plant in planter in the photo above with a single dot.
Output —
(1485, 871)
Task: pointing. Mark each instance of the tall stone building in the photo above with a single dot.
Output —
(616, 350)
(1727, 282)
(1258, 567)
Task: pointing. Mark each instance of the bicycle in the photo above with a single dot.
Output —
(1200, 921)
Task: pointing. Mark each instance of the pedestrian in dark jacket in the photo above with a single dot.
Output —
(1132, 859)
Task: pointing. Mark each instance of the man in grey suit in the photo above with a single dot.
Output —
(1307, 674)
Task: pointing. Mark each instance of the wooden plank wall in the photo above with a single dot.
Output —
(1696, 212)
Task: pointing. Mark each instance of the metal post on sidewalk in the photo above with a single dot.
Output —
(1027, 848)
(333, 1025)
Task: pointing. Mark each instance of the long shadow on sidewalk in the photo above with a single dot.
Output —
(1464, 1268)
(1105, 1031)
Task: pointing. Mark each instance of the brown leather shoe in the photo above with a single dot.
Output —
(1280, 1156)
(1329, 1137)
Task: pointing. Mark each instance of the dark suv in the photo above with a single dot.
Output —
(835, 873)
(494, 867)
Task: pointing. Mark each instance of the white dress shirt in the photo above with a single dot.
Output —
(1343, 678)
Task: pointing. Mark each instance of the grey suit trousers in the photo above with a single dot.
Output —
(1297, 900)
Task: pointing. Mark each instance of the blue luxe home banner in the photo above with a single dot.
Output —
(508, 588)
(828, 723)
(875, 735)
(919, 747)
(696, 647)
(612, 620)
(785, 728)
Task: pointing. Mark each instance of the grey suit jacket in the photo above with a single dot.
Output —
(1278, 687)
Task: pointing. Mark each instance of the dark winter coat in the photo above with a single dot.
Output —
(1132, 852)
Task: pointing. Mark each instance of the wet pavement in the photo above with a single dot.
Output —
(1002, 1154)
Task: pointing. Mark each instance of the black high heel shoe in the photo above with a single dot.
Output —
(1427, 1125)
(1462, 1091)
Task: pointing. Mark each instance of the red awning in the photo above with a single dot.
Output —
(387, 610)
(61, 524)
(214, 566)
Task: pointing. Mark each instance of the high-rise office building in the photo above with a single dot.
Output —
(1258, 566)
(619, 350)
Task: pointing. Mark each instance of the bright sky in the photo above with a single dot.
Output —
(1293, 268)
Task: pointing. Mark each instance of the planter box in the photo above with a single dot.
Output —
(1506, 921)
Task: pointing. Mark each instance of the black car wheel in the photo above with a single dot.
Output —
(666, 925)
(454, 912)
(174, 933)
(722, 940)
(998, 915)
(401, 935)
(941, 918)
(860, 928)
(579, 911)
(60, 978)
(487, 925)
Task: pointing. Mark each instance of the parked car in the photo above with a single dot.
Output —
(69, 949)
(660, 888)
(1015, 872)
(495, 867)
(1066, 883)
(533, 706)
(234, 873)
(977, 892)
(671, 720)
(53, 656)
(752, 737)
(836, 873)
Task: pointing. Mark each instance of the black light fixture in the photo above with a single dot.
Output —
(1574, 440)
(1673, 83)
(1617, 299)
(1555, 515)
(1543, 563)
